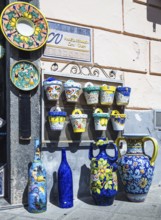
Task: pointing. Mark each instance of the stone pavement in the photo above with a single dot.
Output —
(85, 209)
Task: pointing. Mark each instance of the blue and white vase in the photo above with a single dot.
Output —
(65, 183)
(103, 178)
(135, 167)
(37, 186)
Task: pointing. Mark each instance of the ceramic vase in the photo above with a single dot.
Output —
(53, 88)
(56, 118)
(79, 121)
(65, 183)
(100, 119)
(37, 186)
(72, 90)
(136, 168)
(103, 178)
(91, 93)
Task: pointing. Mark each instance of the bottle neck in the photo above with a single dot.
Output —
(37, 150)
(64, 155)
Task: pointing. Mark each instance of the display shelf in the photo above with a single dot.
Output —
(81, 74)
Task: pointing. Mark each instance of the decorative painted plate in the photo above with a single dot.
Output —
(24, 26)
(25, 75)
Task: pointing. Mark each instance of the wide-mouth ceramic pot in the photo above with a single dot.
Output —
(91, 93)
(56, 118)
(100, 119)
(123, 95)
(118, 120)
(52, 88)
(78, 120)
(107, 94)
(72, 90)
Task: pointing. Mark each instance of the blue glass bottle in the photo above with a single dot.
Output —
(37, 190)
(65, 183)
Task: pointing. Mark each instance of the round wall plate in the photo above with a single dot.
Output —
(25, 75)
(24, 26)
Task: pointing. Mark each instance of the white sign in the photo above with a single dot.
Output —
(68, 42)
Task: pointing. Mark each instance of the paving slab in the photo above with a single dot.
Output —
(85, 209)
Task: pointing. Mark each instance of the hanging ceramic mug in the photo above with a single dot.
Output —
(72, 90)
(118, 120)
(122, 95)
(107, 94)
(53, 88)
(79, 121)
(91, 93)
(100, 119)
(56, 118)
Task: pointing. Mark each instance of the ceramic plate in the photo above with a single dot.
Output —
(25, 75)
(24, 26)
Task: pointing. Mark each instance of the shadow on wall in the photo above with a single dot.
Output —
(154, 12)
(84, 185)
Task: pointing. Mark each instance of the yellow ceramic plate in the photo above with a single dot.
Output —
(24, 26)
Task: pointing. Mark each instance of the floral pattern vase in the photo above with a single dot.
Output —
(135, 167)
(103, 178)
(37, 186)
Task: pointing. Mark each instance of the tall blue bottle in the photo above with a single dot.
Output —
(37, 190)
(65, 183)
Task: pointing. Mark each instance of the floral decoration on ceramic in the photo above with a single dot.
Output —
(56, 118)
(107, 94)
(24, 26)
(103, 177)
(135, 167)
(25, 75)
(91, 93)
(100, 119)
(53, 88)
(118, 120)
(78, 120)
(72, 90)
(37, 184)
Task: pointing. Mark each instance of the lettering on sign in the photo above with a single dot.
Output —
(68, 42)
